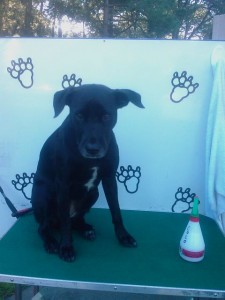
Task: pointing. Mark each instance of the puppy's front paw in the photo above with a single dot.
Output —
(67, 253)
(89, 234)
(87, 231)
(126, 239)
(51, 246)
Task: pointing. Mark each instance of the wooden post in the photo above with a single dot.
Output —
(218, 27)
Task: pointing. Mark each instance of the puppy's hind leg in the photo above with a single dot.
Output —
(44, 212)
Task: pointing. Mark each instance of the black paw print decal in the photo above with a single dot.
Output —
(23, 71)
(184, 200)
(130, 177)
(24, 184)
(182, 86)
(71, 81)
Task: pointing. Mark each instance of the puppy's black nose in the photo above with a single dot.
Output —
(92, 149)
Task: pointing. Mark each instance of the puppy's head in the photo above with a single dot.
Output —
(93, 114)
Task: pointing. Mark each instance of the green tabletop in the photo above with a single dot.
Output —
(155, 263)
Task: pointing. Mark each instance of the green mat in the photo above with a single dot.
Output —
(155, 262)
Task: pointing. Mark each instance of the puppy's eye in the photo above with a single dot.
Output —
(79, 116)
(106, 117)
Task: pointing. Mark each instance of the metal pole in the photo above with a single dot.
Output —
(18, 292)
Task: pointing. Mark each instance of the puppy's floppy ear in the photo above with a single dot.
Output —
(61, 98)
(124, 96)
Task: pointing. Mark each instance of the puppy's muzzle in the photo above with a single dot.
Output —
(92, 150)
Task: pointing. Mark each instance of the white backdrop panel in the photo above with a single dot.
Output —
(164, 143)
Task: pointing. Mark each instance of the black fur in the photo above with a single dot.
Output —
(79, 155)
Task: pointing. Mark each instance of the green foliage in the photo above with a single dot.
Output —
(6, 289)
(176, 19)
(17, 19)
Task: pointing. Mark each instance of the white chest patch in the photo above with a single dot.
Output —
(72, 210)
(90, 184)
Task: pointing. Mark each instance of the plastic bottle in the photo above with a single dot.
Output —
(192, 245)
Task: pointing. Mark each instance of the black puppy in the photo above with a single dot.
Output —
(74, 159)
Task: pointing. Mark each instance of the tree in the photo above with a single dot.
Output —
(171, 19)
(10, 12)
(146, 19)
(28, 17)
(177, 19)
(22, 18)
(194, 18)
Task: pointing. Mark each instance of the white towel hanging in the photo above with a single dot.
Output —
(215, 142)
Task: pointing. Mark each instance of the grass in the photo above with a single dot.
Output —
(6, 289)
